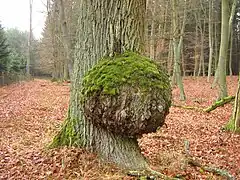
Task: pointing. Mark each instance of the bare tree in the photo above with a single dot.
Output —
(29, 39)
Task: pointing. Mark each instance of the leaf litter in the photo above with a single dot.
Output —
(32, 112)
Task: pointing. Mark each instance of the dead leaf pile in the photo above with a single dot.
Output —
(31, 113)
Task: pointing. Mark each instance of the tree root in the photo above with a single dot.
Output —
(150, 174)
(214, 170)
(188, 107)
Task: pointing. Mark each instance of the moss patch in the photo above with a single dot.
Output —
(66, 136)
(230, 126)
(130, 69)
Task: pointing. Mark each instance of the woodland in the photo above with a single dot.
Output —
(122, 89)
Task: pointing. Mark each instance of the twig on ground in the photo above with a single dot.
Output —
(210, 108)
(188, 107)
(150, 174)
(211, 169)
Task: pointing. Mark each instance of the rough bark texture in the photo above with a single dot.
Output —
(128, 94)
(106, 27)
(130, 113)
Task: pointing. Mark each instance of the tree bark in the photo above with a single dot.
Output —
(216, 46)
(216, 57)
(153, 35)
(196, 55)
(202, 63)
(230, 54)
(177, 45)
(170, 58)
(29, 59)
(230, 33)
(223, 50)
(66, 41)
(210, 29)
(106, 27)
(234, 123)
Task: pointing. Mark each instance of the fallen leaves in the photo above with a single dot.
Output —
(208, 142)
(31, 113)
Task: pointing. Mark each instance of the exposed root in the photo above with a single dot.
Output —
(150, 174)
(188, 107)
(214, 170)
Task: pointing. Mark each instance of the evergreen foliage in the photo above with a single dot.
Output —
(18, 46)
(4, 53)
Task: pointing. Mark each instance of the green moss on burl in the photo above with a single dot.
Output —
(130, 69)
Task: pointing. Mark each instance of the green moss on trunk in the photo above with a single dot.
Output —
(230, 126)
(66, 136)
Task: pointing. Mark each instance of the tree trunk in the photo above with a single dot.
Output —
(230, 33)
(170, 57)
(210, 29)
(29, 59)
(66, 41)
(183, 63)
(216, 57)
(216, 46)
(196, 64)
(223, 50)
(106, 27)
(177, 45)
(202, 63)
(230, 54)
(152, 38)
(234, 123)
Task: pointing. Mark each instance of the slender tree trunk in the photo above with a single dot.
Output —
(234, 123)
(216, 75)
(230, 33)
(202, 63)
(230, 54)
(105, 27)
(29, 59)
(216, 46)
(196, 56)
(170, 58)
(66, 40)
(152, 38)
(210, 29)
(183, 63)
(162, 32)
(53, 21)
(177, 45)
(146, 34)
(236, 109)
(223, 50)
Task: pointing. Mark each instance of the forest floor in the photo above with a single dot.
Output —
(32, 112)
